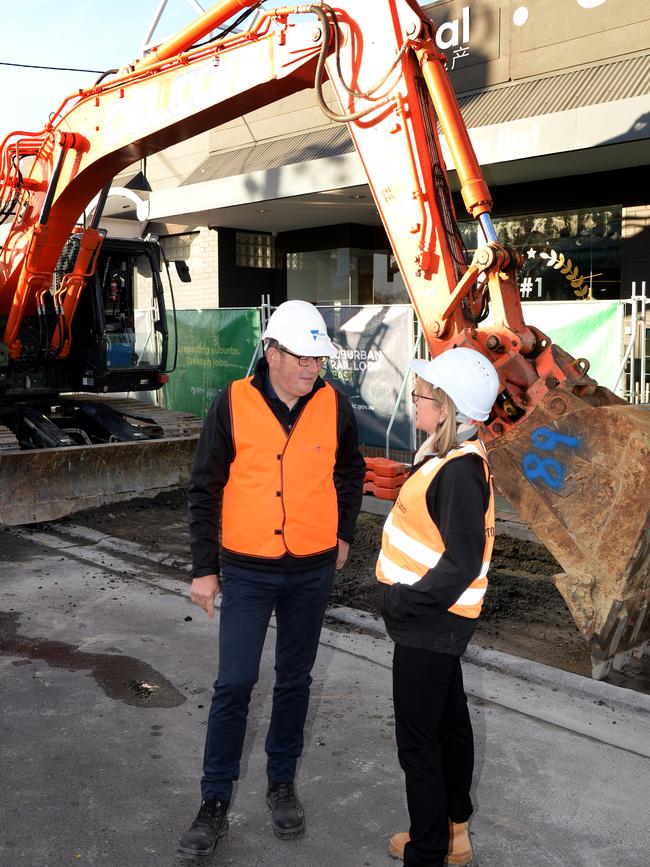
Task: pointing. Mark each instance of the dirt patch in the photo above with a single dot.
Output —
(524, 614)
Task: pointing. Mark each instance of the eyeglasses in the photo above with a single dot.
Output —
(307, 360)
(415, 397)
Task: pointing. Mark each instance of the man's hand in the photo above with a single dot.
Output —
(344, 548)
(204, 591)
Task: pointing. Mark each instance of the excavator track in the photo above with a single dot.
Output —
(172, 422)
(47, 484)
(8, 442)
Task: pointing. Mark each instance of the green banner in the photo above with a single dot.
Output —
(214, 347)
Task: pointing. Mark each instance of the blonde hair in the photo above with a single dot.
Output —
(445, 438)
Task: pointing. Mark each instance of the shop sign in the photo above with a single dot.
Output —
(453, 36)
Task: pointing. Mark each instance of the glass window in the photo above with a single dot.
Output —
(254, 250)
(346, 275)
(148, 341)
(130, 311)
(569, 255)
(319, 276)
(388, 284)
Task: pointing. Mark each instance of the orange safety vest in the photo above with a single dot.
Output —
(280, 496)
(412, 544)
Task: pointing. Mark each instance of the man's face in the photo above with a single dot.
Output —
(289, 377)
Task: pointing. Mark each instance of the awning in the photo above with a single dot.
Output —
(527, 100)
(586, 120)
(566, 91)
(315, 145)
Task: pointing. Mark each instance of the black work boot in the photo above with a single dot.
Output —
(287, 815)
(210, 824)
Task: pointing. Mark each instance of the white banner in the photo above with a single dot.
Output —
(375, 346)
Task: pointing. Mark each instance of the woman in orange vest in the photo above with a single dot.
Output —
(432, 570)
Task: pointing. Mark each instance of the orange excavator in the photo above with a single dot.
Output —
(570, 456)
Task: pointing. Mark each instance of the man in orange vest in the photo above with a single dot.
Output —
(281, 446)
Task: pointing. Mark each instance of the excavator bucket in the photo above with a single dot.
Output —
(579, 475)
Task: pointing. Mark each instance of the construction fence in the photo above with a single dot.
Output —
(376, 344)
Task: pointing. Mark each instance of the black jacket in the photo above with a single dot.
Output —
(416, 615)
(211, 469)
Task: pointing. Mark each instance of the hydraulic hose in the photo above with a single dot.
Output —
(318, 83)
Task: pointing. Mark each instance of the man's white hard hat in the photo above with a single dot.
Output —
(468, 377)
(300, 328)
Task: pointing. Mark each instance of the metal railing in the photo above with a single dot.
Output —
(265, 314)
(407, 377)
(633, 380)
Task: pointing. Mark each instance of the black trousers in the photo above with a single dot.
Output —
(248, 599)
(435, 747)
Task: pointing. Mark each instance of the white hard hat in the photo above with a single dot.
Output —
(299, 327)
(468, 377)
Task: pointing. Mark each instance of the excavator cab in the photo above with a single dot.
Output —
(122, 341)
(71, 420)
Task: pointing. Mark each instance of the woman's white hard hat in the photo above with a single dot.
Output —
(468, 377)
(300, 328)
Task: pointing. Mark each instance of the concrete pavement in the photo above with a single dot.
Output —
(107, 671)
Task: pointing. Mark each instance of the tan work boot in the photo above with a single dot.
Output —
(460, 849)
(397, 843)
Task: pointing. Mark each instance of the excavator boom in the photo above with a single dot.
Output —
(570, 455)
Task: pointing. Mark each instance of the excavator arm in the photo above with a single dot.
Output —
(569, 455)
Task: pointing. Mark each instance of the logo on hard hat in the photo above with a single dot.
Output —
(314, 333)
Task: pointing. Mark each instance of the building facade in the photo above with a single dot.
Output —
(556, 95)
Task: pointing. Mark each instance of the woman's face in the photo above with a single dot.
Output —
(429, 412)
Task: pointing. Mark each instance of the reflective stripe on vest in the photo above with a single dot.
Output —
(280, 496)
(412, 544)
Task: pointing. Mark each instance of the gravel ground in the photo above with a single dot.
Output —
(524, 614)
